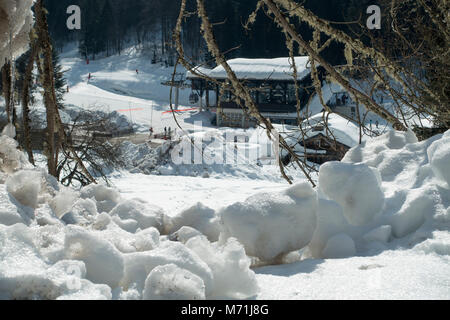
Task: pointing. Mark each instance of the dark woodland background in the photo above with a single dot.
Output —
(108, 26)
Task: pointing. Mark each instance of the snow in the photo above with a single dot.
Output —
(137, 214)
(257, 222)
(377, 226)
(339, 246)
(25, 186)
(439, 155)
(260, 69)
(169, 282)
(356, 187)
(381, 234)
(11, 212)
(330, 221)
(201, 218)
(104, 263)
(138, 265)
(184, 234)
(230, 267)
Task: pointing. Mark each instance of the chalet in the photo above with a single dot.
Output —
(271, 84)
(319, 144)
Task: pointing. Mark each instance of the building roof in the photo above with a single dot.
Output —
(259, 69)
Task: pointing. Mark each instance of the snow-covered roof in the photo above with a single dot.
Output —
(344, 131)
(259, 69)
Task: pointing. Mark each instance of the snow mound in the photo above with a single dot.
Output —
(184, 234)
(135, 214)
(106, 198)
(104, 263)
(81, 212)
(330, 221)
(24, 274)
(439, 155)
(201, 218)
(339, 246)
(356, 187)
(139, 265)
(25, 186)
(11, 159)
(380, 234)
(63, 202)
(11, 212)
(230, 267)
(169, 282)
(270, 225)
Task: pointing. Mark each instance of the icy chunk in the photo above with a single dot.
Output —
(184, 234)
(104, 263)
(439, 157)
(356, 187)
(62, 203)
(25, 186)
(138, 265)
(201, 218)
(169, 282)
(144, 214)
(272, 224)
(233, 278)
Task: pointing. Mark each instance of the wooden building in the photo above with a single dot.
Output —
(271, 84)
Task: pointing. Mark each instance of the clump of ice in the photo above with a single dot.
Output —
(138, 265)
(201, 218)
(25, 186)
(79, 211)
(184, 234)
(230, 267)
(356, 187)
(272, 224)
(104, 263)
(63, 202)
(11, 212)
(11, 159)
(107, 198)
(137, 214)
(170, 282)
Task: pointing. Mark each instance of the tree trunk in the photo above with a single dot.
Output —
(6, 83)
(25, 102)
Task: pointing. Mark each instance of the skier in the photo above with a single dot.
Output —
(151, 132)
(137, 71)
(165, 132)
(170, 132)
(89, 76)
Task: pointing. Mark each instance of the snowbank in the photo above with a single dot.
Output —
(270, 225)
(356, 187)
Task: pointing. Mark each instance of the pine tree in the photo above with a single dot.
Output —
(60, 81)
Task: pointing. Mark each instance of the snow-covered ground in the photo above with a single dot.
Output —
(376, 227)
